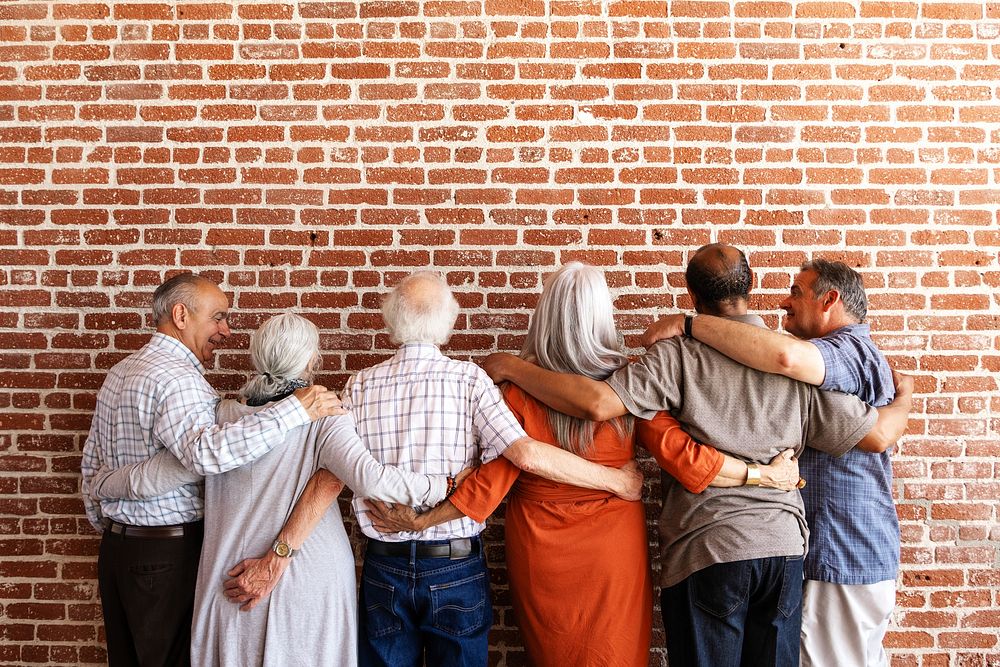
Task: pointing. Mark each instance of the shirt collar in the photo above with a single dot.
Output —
(418, 351)
(175, 348)
(755, 320)
(859, 329)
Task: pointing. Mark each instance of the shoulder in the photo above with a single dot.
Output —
(230, 410)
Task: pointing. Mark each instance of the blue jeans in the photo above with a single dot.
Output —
(415, 611)
(748, 612)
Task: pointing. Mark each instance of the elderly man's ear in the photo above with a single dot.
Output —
(179, 315)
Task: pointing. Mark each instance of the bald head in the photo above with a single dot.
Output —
(718, 277)
(420, 309)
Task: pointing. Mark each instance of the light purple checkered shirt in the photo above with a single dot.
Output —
(158, 398)
(425, 412)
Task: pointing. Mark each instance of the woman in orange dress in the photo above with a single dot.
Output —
(577, 560)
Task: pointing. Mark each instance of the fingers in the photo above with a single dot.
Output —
(320, 402)
(494, 366)
(237, 569)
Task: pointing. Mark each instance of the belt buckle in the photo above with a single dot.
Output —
(455, 545)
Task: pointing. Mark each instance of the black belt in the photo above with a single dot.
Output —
(125, 530)
(453, 549)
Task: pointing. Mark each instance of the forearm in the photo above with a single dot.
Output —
(891, 424)
(442, 513)
(321, 491)
(346, 456)
(561, 466)
(567, 393)
(732, 473)
(153, 477)
(209, 449)
(761, 348)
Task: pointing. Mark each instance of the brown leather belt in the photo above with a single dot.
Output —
(453, 549)
(125, 530)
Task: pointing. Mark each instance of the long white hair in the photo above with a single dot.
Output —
(284, 352)
(573, 331)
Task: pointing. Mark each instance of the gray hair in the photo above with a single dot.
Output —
(182, 288)
(844, 279)
(573, 331)
(284, 352)
(420, 309)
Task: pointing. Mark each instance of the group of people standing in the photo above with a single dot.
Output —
(225, 512)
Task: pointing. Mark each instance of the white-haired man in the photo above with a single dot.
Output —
(425, 597)
(155, 399)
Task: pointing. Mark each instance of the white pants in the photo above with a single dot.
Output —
(843, 626)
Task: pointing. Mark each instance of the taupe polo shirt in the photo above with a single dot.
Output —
(750, 415)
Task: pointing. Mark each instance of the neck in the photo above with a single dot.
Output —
(728, 309)
(835, 323)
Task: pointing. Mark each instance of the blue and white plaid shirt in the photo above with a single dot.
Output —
(158, 398)
(427, 413)
(853, 527)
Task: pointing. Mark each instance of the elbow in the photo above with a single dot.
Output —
(876, 442)
(601, 407)
(786, 362)
(523, 455)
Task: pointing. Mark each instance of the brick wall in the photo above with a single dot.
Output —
(306, 155)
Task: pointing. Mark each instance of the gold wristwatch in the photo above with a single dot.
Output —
(282, 549)
(753, 475)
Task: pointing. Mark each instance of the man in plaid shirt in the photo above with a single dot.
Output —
(425, 597)
(158, 398)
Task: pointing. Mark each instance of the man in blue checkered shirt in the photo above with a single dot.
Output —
(853, 557)
(157, 398)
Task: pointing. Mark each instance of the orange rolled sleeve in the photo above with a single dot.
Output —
(691, 463)
(482, 492)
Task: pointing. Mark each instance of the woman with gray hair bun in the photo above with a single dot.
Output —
(250, 521)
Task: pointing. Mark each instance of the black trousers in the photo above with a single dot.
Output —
(147, 593)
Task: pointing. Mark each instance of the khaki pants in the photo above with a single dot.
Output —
(845, 625)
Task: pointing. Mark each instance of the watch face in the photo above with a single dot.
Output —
(282, 549)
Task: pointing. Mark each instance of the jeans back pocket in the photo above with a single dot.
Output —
(722, 588)
(381, 618)
(462, 607)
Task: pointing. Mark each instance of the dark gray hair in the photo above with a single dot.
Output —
(182, 288)
(573, 331)
(718, 274)
(283, 350)
(420, 309)
(844, 279)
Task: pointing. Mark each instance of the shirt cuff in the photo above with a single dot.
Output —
(506, 437)
(710, 475)
(626, 399)
(438, 490)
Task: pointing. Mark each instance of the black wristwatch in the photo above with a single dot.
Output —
(688, 321)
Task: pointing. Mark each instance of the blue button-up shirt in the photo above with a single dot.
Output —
(854, 531)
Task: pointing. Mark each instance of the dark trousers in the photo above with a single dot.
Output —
(147, 593)
(745, 613)
(424, 611)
